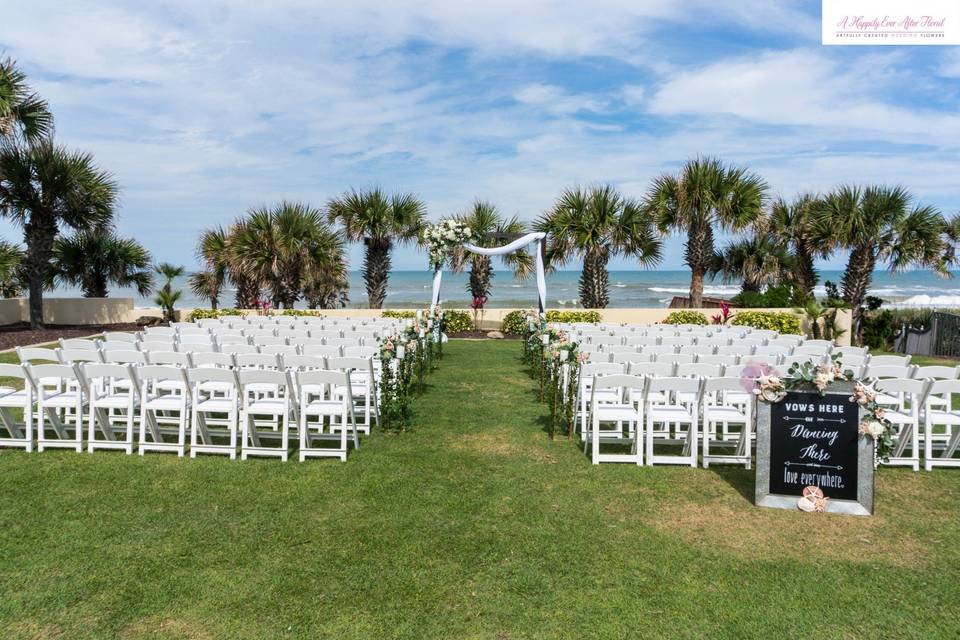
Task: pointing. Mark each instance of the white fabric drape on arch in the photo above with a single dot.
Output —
(534, 237)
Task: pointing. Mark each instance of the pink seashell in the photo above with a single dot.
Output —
(814, 493)
(805, 504)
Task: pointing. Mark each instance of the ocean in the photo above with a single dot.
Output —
(627, 289)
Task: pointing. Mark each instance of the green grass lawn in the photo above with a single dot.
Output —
(474, 525)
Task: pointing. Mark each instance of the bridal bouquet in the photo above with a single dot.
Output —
(443, 237)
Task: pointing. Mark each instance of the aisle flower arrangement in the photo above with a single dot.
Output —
(441, 239)
(556, 361)
(809, 375)
(406, 357)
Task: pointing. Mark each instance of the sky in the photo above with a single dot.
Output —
(202, 110)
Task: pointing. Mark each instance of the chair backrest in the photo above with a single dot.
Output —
(878, 361)
(211, 360)
(70, 356)
(126, 356)
(674, 357)
(674, 385)
(342, 342)
(788, 361)
(810, 350)
(198, 347)
(711, 386)
(849, 351)
(151, 374)
(619, 381)
(116, 345)
(676, 340)
(942, 388)
(888, 371)
(276, 377)
(37, 354)
(719, 359)
(239, 348)
(159, 332)
(620, 348)
(714, 341)
(773, 350)
(699, 369)
(157, 345)
(914, 386)
(937, 372)
(642, 340)
(303, 362)
(322, 378)
(852, 359)
(264, 341)
(256, 361)
(195, 338)
(323, 334)
(8, 370)
(168, 358)
(63, 372)
(119, 336)
(630, 356)
(361, 365)
(361, 352)
(280, 350)
(698, 349)
(198, 375)
(738, 349)
(790, 343)
(326, 351)
(652, 368)
(78, 344)
(96, 374)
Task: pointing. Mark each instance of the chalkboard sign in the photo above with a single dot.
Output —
(813, 439)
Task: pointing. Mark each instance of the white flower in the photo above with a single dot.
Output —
(872, 428)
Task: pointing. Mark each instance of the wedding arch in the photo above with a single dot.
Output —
(445, 235)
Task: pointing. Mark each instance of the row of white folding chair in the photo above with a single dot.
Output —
(114, 397)
(667, 412)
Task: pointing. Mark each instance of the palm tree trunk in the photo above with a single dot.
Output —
(481, 273)
(856, 283)
(698, 253)
(376, 270)
(594, 279)
(247, 292)
(804, 274)
(39, 236)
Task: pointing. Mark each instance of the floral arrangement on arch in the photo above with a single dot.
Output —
(771, 388)
(441, 238)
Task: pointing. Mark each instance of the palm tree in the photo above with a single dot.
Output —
(24, 116)
(706, 194)
(93, 259)
(794, 224)
(378, 220)
(878, 225)
(167, 296)
(44, 188)
(284, 247)
(11, 269)
(212, 251)
(758, 261)
(596, 224)
(487, 223)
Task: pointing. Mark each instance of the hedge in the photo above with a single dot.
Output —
(573, 316)
(394, 313)
(313, 313)
(514, 323)
(686, 317)
(779, 321)
(205, 314)
(457, 321)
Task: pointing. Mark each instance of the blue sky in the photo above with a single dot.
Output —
(203, 109)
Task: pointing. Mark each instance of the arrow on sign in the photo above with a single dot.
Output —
(838, 467)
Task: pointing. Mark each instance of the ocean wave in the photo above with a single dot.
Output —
(709, 290)
(928, 301)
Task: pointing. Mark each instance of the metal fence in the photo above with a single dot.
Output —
(941, 338)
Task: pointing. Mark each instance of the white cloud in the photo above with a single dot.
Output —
(950, 65)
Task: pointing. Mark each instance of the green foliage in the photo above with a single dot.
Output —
(687, 317)
(573, 316)
(878, 330)
(514, 323)
(777, 296)
(204, 314)
(396, 313)
(457, 321)
(780, 321)
(313, 313)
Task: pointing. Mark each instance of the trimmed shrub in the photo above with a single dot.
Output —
(573, 316)
(394, 313)
(457, 321)
(686, 317)
(313, 313)
(779, 321)
(514, 323)
(204, 314)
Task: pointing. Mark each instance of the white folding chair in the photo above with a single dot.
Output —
(215, 394)
(361, 352)
(946, 441)
(81, 344)
(632, 356)
(724, 360)
(588, 373)
(169, 358)
(363, 382)
(906, 417)
(675, 358)
(323, 351)
(326, 396)
(113, 394)
(157, 345)
(265, 393)
(811, 350)
(723, 408)
(120, 336)
(879, 361)
(616, 400)
(60, 403)
(672, 414)
(302, 362)
(19, 398)
(79, 356)
(125, 356)
(164, 400)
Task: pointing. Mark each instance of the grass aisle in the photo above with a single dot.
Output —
(474, 525)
